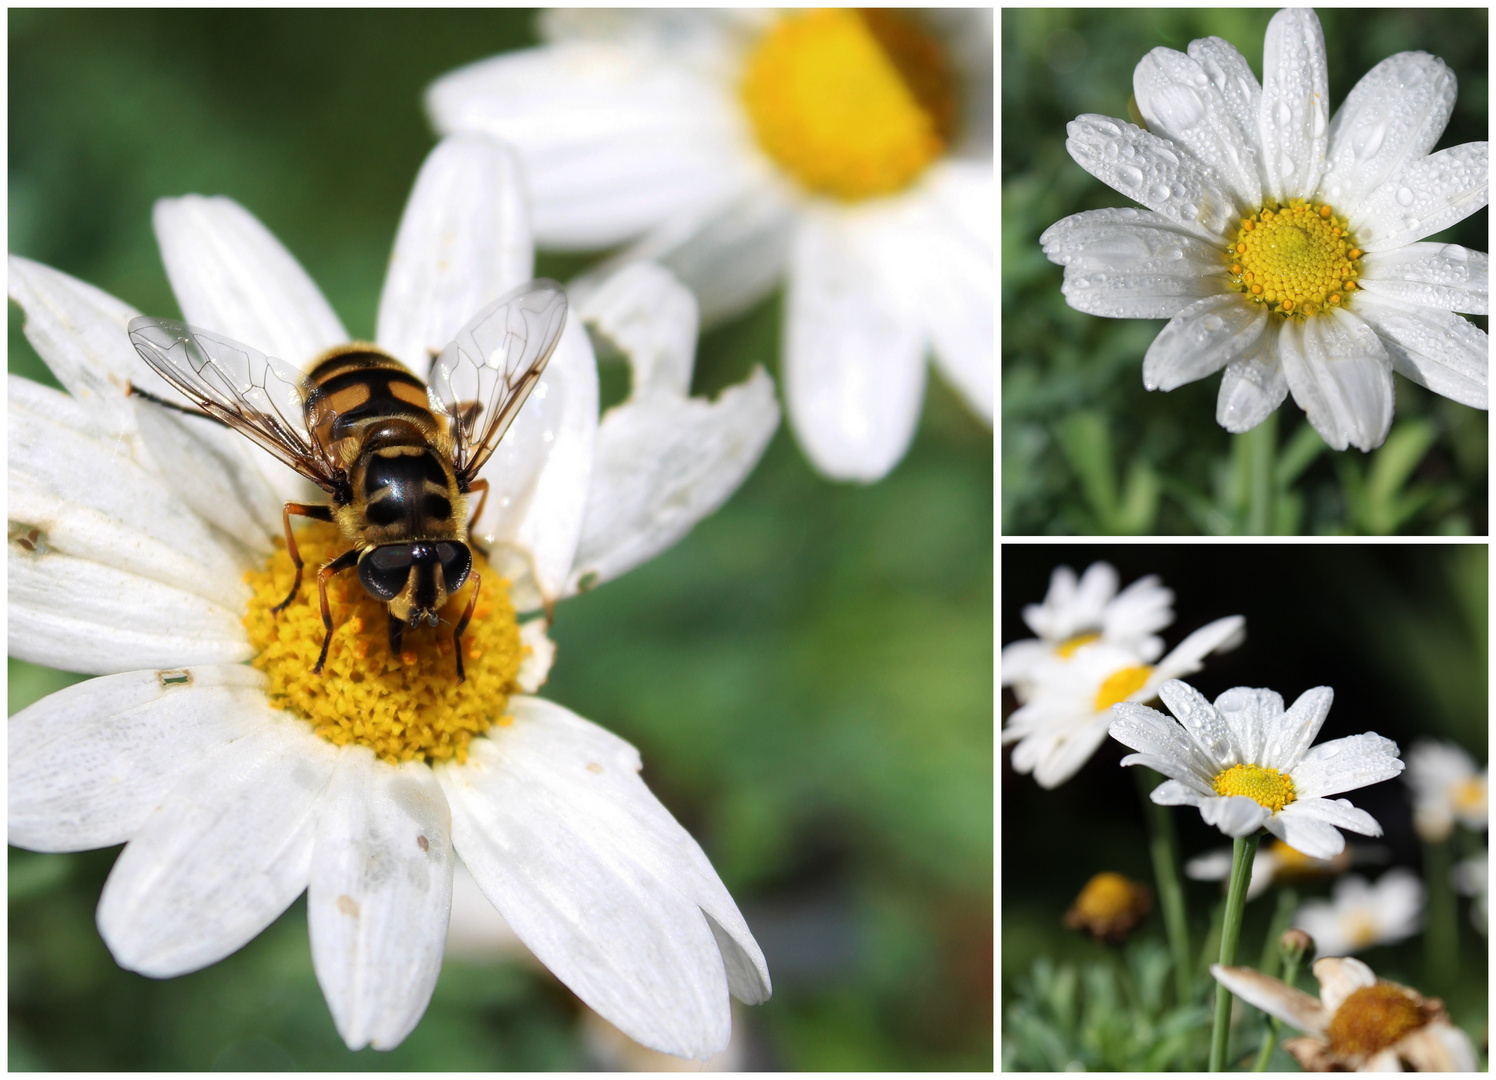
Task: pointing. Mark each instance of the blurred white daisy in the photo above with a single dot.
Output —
(1446, 788)
(141, 551)
(1359, 914)
(848, 153)
(1275, 862)
(1281, 243)
(1359, 1023)
(1472, 878)
(1070, 706)
(1247, 764)
(1075, 614)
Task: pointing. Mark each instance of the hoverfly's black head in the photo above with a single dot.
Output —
(416, 578)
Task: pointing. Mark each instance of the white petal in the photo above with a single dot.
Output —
(1424, 197)
(1337, 812)
(1340, 977)
(1295, 110)
(663, 463)
(599, 881)
(1241, 95)
(79, 331)
(1306, 832)
(1175, 793)
(464, 241)
(1202, 339)
(380, 894)
(1295, 730)
(1235, 815)
(705, 37)
(1394, 115)
(85, 616)
(1444, 276)
(1155, 735)
(1252, 387)
(1125, 240)
(1436, 349)
(1437, 1047)
(731, 252)
(1020, 658)
(1253, 716)
(1181, 103)
(651, 318)
(540, 654)
(232, 276)
(89, 764)
(1341, 377)
(1068, 755)
(1346, 764)
(225, 854)
(1274, 997)
(1222, 635)
(854, 371)
(614, 140)
(1183, 777)
(1152, 171)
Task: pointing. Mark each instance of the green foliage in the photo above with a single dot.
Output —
(1085, 448)
(1102, 1016)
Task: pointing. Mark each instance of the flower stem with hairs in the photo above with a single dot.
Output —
(1243, 851)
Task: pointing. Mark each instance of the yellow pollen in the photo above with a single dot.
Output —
(1106, 896)
(406, 708)
(1469, 794)
(1068, 649)
(1269, 787)
(1291, 259)
(1371, 1019)
(853, 104)
(1121, 685)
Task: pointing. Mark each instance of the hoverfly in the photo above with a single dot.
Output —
(398, 457)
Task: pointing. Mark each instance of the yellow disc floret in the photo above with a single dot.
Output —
(1296, 260)
(1121, 685)
(406, 708)
(1269, 787)
(1373, 1018)
(1069, 647)
(852, 104)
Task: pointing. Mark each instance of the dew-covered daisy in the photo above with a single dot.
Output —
(1069, 710)
(1283, 244)
(1359, 914)
(1076, 613)
(1275, 862)
(1446, 788)
(1247, 764)
(1359, 1023)
(846, 153)
(141, 551)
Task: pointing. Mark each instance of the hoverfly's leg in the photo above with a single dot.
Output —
(338, 565)
(477, 485)
(319, 513)
(462, 625)
(131, 390)
(397, 633)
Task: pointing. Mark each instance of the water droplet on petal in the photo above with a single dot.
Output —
(1174, 254)
(1159, 192)
(1130, 177)
(1182, 107)
(1319, 122)
(1368, 137)
(1282, 114)
(1455, 253)
(1212, 323)
(1404, 196)
(1106, 127)
(1286, 164)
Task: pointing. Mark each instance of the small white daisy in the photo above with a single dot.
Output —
(1247, 764)
(1075, 614)
(141, 551)
(1070, 706)
(1275, 862)
(847, 153)
(1359, 1023)
(1446, 788)
(1282, 243)
(1359, 914)
(1472, 878)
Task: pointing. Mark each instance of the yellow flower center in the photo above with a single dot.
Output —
(1360, 928)
(1106, 896)
(1269, 787)
(406, 708)
(1373, 1018)
(1067, 650)
(851, 103)
(1121, 685)
(1469, 794)
(1295, 260)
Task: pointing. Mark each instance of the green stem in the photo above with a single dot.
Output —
(1166, 875)
(1243, 851)
(1290, 976)
(1261, 445)
(1288, 902)
(1441, 937)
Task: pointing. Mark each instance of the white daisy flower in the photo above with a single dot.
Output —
(1070, 708)
(1247, 764)
(1359, 1023)
(1359, 914)
(1472, 878)
(141, 551)
(847, 153)
(1275, 862)
(1446, 788)
(1283, 244)
(1075, 614)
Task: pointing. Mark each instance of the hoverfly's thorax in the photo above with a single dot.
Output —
(405, 492)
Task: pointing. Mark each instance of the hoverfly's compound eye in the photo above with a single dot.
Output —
(457, 563)
(385, 569)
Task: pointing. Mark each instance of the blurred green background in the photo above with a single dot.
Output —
(1085, 448)
(808, 675)
(1398, 631)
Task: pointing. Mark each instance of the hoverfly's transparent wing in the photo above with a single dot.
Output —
(482, 378)
(257, 395)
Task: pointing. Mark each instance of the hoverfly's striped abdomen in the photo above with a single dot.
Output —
(359, 387)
